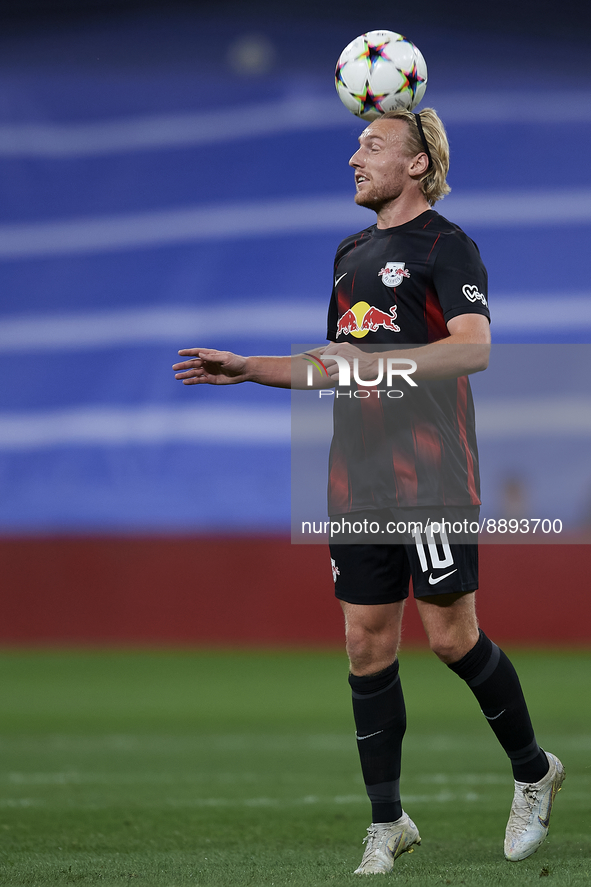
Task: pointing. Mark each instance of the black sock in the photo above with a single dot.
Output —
(494, 682)
(380, 719)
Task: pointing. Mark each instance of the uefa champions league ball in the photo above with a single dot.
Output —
(380, 71)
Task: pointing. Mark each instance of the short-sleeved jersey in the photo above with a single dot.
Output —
(400, 287)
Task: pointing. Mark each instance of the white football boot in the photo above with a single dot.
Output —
(530, 812)
(385, 842)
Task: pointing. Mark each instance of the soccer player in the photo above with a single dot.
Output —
(413, 283)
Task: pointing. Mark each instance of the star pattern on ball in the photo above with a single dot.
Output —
(412, 80)
(373, 52)
(369, 100)
(338, 77)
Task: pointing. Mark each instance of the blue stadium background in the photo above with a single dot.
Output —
(170, 179)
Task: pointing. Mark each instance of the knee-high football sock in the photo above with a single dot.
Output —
(380, 719)
(493, 680)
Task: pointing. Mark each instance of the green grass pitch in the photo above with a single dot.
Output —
(179, 768)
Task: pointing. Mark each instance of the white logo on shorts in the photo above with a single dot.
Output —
(433, 581)
(335, 570)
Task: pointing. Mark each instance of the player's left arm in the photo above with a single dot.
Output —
(466, 350)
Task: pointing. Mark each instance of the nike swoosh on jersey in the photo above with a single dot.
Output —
(338, 279)
(433, 581)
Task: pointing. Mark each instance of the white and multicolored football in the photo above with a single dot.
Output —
(380, 71)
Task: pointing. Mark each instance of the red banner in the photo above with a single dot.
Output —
(255, 591)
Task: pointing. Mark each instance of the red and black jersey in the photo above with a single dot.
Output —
(400, 287)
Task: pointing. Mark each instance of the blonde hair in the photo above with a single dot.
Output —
(433, 182)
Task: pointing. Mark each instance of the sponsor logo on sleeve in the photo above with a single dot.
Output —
(473, 294)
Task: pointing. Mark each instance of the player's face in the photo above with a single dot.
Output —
(382, 163)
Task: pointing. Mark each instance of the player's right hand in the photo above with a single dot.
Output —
(207, 366)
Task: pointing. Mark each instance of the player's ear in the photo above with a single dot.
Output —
(419, 164)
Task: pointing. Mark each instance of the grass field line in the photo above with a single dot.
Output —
(575, 799)
(21, 802)
(167, 744)
(250, 741)
(308, 800)
(80, 778)
(76, 777)
(475, 779)
(31, 780)
(442, 797)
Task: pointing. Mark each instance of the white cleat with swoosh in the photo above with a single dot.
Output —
(530, 812)
(385, 842)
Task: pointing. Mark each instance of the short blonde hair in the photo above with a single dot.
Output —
(433, 182)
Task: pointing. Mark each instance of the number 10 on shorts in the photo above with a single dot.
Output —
(437, 561)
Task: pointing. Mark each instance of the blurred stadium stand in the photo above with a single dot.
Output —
(530, 17)
(172, 177)
(168, 181)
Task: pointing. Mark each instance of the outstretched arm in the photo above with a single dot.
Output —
(206, 366)
(464, 351)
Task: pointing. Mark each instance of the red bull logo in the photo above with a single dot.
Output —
(374, 318)
(347, 323)
(362, 319)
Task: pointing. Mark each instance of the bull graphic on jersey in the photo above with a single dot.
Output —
(371, 320)
(347, 323)
(393, 274)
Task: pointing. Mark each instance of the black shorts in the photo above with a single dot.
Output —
(380, 574)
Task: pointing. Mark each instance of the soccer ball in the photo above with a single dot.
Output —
(380, 71)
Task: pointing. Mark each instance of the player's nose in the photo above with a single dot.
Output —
(355, 160)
